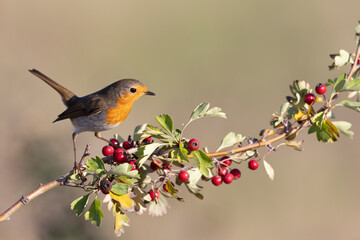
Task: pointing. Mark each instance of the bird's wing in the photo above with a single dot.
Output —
(83, 107)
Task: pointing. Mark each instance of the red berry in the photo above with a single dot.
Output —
(147, 140)
(193, 144)
(107, 150)
(236, 173)
(216, 180)
(222, 171)
(226, 161)
(155, 166)
(228, 178)
(309, 98)
(120, 157)
(133, 163)
(126, 145)
(119, 150)
(183, 176)
(320, 89)
(358, 61)
(154, 194)
(166, 165)
(105, 186)
(114, 142)
(253, 164)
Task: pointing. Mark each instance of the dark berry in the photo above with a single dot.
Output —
(253, 164)
(105, 186)
(107, 150)
(193, 144)
(226, 161)
(120, 157)
(216, 180)
(114, 142)
(309, 98)
(126, 145)
(222, 171)
(155, 166)
(236, 173)
(228, 178)
(320, 89)
(154, 194)
(183, 176)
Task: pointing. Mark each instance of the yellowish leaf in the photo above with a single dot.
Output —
(120, 220)
(125, 201)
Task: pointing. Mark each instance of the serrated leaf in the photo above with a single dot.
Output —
(138, 132)
(95, 213)
(125, 201)
(165, 121)
(202, 162)
(349, 104)
(120, 188)
(344, 127)
(144, 152)
(269, 170)
(215, 112)
(230, 140)
(120, 220)
(124, 169)
(194, 177)
(159, 207)
(95, 164)
(159, 134)
(79, 204)
(199, 111)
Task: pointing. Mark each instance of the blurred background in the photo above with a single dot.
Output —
(238, 55)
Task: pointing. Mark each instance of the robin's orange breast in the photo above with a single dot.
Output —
(119, 113)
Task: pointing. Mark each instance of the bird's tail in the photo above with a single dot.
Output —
(65, 93)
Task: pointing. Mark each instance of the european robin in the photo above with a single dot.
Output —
(98, 111)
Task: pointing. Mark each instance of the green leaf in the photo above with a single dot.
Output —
(340, 83)
(215, 112)
(194, 177)
(230, 140)
(157, 133)
(176, 135)
(124, 169)
(138, 132)
(144, 152)
(96, 164)
(95, 213)
(79, 204)
(344, 127)
(165, 122)
(202, 162)
(349, 104)
(199, 111)
(120, 188)
(353, 85)
(180, 153)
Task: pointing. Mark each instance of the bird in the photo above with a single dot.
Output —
(98, 111)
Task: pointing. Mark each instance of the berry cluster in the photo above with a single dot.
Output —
(223, 173)
(320, 89)
(118, 155)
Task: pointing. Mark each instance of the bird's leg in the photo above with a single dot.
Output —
(97, 134)
(76, 165)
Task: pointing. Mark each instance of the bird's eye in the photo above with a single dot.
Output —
(133, 90)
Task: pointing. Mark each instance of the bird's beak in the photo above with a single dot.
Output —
(149, 93)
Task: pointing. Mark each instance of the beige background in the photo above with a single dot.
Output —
(238, 55)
